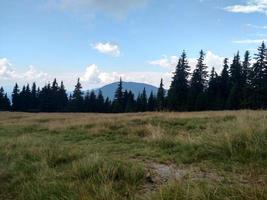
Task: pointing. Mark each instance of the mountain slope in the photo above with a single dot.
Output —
(136, 88)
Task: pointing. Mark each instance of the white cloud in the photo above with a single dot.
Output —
(91, 74)
(107, 48)
(166, 62)
(93, 77)
(8, 72)
(252, 6)
(116, 8)
(250, 41)
(211, 60)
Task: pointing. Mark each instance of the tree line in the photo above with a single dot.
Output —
(240, 85)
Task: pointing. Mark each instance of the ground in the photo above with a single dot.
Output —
(161, 156)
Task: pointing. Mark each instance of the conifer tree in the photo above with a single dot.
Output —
(246, 83)
(152, 101)
(93, 101)
(160, 96)
(16, 98)
(224, 85)
(4, 101)
(100, 102)
(34, 97)
(139, 105)
(235, 95)
(144, 100)
(258, 78)
(118, 101)
(107, 106)
(212, 91)
(130, 104)
(197, 98)
(63, 98)
(178, 92)
(77, 98)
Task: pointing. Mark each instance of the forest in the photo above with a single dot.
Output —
(242, 84)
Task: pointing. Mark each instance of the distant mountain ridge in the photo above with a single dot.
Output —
(136, 88)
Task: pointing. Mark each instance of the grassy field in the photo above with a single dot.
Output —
(159, 156)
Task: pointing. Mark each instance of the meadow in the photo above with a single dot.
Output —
(140, 156)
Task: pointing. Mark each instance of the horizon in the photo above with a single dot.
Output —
(99, 41)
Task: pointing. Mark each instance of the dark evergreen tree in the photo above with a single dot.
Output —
(100, 102)
(152, 102)
(258, 79)
(139, 105)
(46, 99)
(130, 105)
(197, 98)
(224, 85)
(144, 100)
(34, 98)
(77, 104)
(63, 98)
(16, 104)
(4, 101)
(160, 97)
(235, 95)
(107, 106)
(118, 103)
(212, 91)
(246, 83)
(93, 101)
(178, 92)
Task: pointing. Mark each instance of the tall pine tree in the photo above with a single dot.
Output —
(160, 96)
(178, 92)
(118, 103)
(198, 84)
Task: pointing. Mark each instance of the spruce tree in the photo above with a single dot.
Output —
(34, 98)
(118, 101)
(27, 98)
(107, 106)
(160, 96)
(144, 100)
(16, 104)
(93, 101)
(100, 102)
(152, 101)
(63, 98)
(258, 78)
(246, 81)
(130, 104)
(224, 85)
(77, 98)
(178, 92)
(139, 106)
(198, 84)
(212, 91)
(235, 95)
(4, 101)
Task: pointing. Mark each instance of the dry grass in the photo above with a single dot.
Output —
(220, 155)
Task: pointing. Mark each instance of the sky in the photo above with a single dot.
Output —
(100, 41)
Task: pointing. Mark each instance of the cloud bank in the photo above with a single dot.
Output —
(252, 6)
(8, 72)
(211, 60)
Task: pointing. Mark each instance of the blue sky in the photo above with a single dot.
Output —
(101, 40)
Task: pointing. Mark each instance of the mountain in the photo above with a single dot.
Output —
(136, 88)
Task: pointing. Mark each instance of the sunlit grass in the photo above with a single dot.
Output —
(222, 155)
